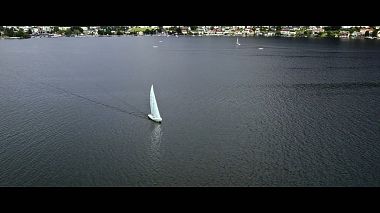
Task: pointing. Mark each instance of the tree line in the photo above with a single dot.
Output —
(12, 32)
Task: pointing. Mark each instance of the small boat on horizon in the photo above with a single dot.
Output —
(237, 41)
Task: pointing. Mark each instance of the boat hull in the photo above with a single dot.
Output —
(158, 120)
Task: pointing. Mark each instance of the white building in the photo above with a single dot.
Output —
(63, 28)
(344, 34)
(355, 34)
(25, 28)
(35, 30)
(292, 33)
(46, 28)
(285, 32)
(317, 30)
(364, 30)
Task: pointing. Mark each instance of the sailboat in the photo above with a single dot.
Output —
(154, 113)
(237, 41)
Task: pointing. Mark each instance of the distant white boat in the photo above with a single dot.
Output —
(160, 41)
(237, 41)
(260, 48)
(154, 113)
(154, 46)
(55, 36)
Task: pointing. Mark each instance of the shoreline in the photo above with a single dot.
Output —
(240, 36)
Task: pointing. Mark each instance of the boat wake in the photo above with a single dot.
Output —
(121, 100)
(136, 114)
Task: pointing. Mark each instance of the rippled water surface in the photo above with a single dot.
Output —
(299, 112)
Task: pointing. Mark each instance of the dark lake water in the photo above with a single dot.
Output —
(299, 112)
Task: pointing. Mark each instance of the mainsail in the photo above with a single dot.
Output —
(153, 105)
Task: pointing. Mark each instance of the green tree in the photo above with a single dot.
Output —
(352, 29)
(9, 32)
(179, 31)
(76, 28)
(307, 33)
(68, 32)
(175, 30)
(30, 31)
(55, 29)
(100, 32)
(330, 34)
(20, 33)
(278, 31)
(172, 30)
(374, 33)
(160, 29)
(366, 34)
(76, 32)
(332, 28)
(119, 32)
(108, 31)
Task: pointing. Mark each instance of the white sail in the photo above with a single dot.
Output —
(154, 113)
(237, 41)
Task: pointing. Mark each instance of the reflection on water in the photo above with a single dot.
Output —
(154, 151)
